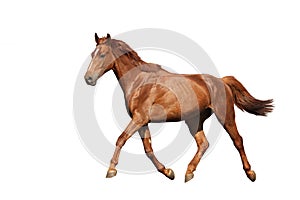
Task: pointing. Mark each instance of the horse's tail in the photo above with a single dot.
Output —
(245, 101)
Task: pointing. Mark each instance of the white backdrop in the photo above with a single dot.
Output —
(42, 47)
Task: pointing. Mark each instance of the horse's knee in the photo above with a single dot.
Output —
(205, 145)
(148, 150)
(121, 140)
(149, 154)
(202, 142)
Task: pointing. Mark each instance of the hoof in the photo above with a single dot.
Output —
(111, 173)
(251, 175)
(188, 177)
(169, 173)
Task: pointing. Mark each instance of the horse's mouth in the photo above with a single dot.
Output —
(92, 83)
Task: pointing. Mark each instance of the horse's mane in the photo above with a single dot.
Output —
(127, 55)
(121, 48)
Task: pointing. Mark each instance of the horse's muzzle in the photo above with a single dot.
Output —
(89, 80)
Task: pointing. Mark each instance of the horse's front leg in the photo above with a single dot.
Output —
(146, 138)
(135, 124)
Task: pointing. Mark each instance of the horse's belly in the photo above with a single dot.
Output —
(159, 113)
(162, 113)
(172, 105)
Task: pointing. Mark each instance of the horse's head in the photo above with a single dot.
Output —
(102, 60)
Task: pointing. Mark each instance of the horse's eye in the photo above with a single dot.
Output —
(102, 55)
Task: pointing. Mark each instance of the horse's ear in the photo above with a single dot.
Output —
(96, 38)
(108, 38)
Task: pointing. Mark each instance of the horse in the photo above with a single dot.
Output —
(153, 94)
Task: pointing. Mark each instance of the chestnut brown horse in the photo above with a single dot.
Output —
(153, 94)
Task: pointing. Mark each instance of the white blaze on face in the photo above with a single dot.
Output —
(95, 53)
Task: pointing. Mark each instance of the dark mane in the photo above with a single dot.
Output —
(121, 48)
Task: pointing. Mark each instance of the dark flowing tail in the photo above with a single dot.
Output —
(245, 101)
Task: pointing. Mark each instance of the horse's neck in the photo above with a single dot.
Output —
(126, 74)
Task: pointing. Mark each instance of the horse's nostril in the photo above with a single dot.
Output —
(89, 80)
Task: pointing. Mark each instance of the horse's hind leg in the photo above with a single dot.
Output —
(196, 129)
(146, 138)
(228, 121)
(238, 143)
